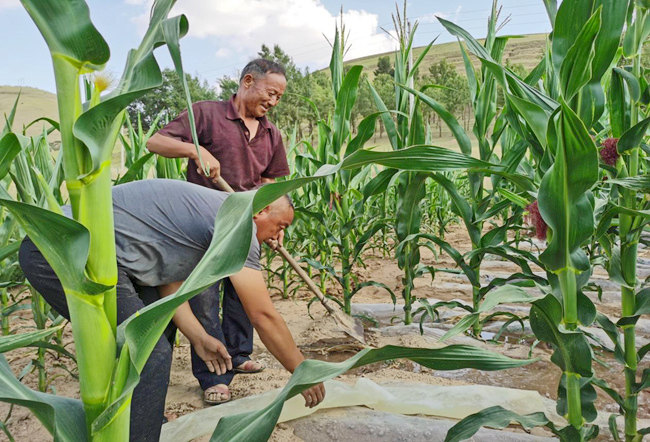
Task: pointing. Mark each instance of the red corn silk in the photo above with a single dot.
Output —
(534, 218)
(608, 152)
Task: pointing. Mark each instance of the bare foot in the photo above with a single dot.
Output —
(217, 394)
(249, 367)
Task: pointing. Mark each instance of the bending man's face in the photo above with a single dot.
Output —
(273, 219)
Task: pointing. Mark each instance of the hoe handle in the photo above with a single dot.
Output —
(305, 277)
(222, 184)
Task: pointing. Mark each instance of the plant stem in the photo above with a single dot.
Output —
(570, 296)
(573, 399)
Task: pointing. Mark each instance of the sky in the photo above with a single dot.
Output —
(225, 34)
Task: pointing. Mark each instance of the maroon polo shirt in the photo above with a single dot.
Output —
(223, 133)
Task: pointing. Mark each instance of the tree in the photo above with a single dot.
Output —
(227, 87)
(384, 66)
(169, 99)
(452, 93)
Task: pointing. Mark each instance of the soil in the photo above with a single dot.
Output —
(319, 337)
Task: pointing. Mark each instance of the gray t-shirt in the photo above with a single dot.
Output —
(164, 227)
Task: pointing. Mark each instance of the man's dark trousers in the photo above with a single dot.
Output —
(235, 330)
(148, 403)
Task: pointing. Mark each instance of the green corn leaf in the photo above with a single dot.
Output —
(534, 115)
(462, 207)
(587, 398)
(389, 124)
(570, 20)
(572, 351)
(609, 37)
(11, 342)
(69, 33)
(258, 425)
(136, 169)
(514, 84)
(633, 84)
(513, 197)
(494, 417)
(618, 104)
(603, 385)
(344, 103)
(506, 294)
(422, 158)
(9, 147)
(63, 417)
(640, 183)
(63, 242)
(645, 381)
(461, 326)
(8, 250)
(365, 131)
(575, 71)
(457, 130)
(642, 302)
(613, 333)
(98, 127)
(632, 137)
(563, 195)
(450, 250)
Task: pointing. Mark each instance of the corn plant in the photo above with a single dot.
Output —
(556, 122)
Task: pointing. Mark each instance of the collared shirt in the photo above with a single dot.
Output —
(222, 132)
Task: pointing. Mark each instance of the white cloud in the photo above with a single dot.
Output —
(297, 26)
(223, 52)
(9, 4)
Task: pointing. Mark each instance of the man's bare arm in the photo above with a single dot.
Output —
(172, 148)
(207, 347)
(273, 331)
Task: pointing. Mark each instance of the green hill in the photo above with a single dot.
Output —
(526, 50)
(32, 104)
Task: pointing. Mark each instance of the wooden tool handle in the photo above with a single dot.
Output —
(223, 185)
(305, 277)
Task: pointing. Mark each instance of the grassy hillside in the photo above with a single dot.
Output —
(32, 104)
(526, 50)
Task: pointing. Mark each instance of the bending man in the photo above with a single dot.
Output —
(162, 229)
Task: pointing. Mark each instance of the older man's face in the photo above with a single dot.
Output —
(261, 94)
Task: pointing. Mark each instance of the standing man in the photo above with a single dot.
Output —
(238, 143)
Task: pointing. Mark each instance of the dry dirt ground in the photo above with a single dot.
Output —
(320, 338)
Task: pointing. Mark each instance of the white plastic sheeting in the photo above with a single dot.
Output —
(423, 399)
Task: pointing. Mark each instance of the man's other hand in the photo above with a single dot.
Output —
(314, 395)
(214, 354)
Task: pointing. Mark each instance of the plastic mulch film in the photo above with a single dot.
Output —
(444, 401)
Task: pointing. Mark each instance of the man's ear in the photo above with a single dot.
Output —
(248, 80)
(262, 212)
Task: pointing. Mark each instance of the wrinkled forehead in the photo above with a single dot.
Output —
(272, 80)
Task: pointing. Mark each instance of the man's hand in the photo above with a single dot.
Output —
(314, 395)
(276, 242)
(214, 354)
(209, 162)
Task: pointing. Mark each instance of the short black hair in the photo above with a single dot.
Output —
(260, 67)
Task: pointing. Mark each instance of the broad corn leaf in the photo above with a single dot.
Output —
(563, 194)
(258, 425)
(63, 417)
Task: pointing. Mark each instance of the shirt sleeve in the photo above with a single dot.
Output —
(278, 167)
(179, 127)
(253, 258)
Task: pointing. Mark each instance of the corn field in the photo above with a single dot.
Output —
(561, 154)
